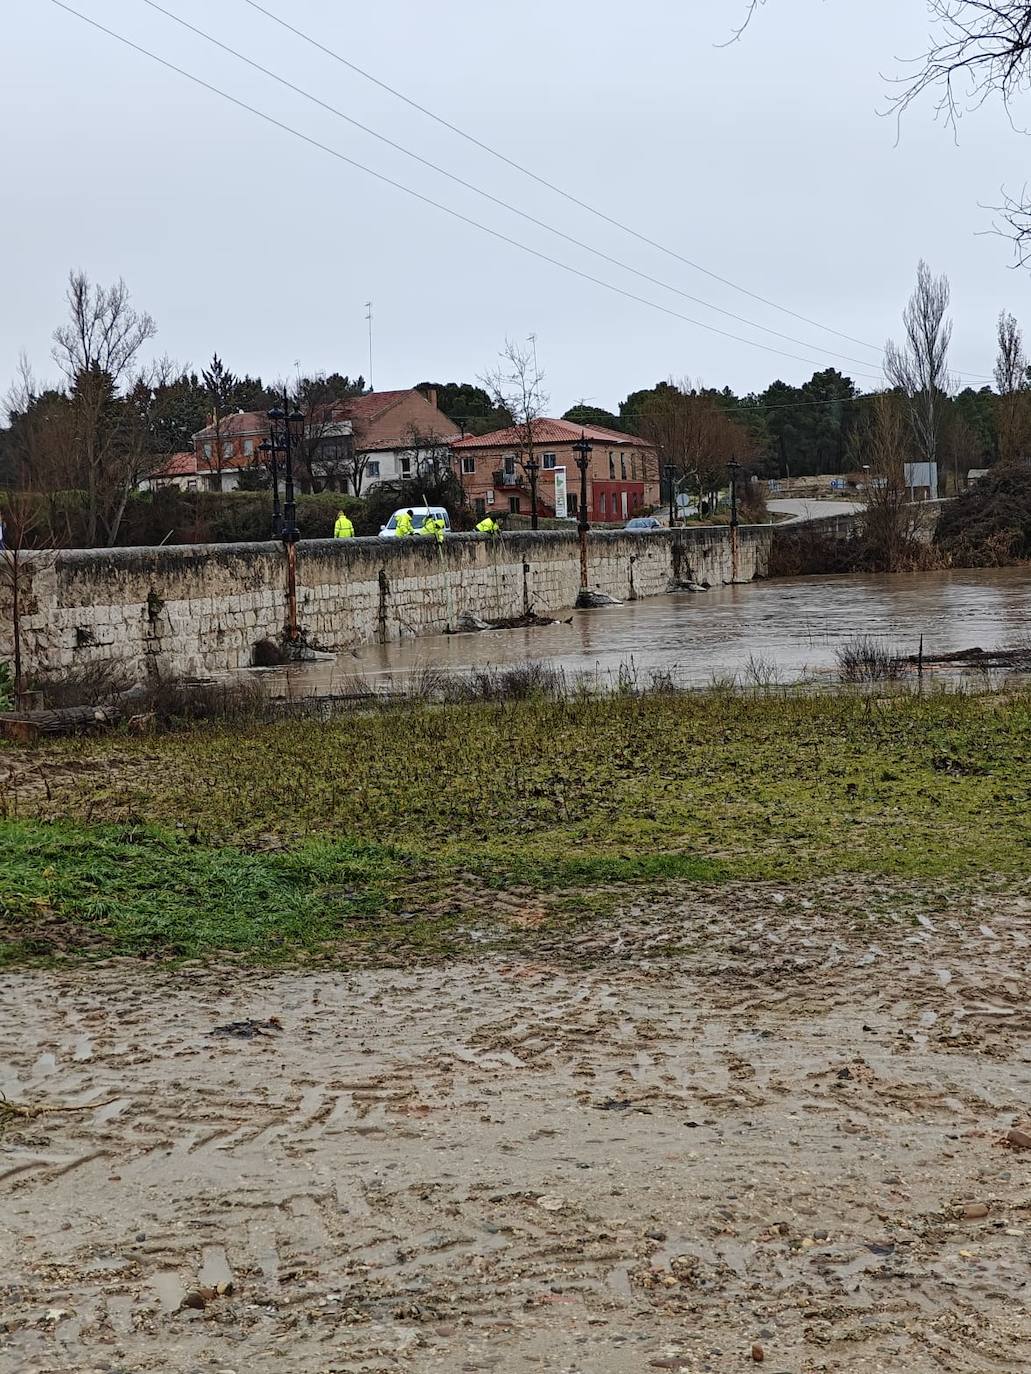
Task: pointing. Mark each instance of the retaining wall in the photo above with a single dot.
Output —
(197, 610)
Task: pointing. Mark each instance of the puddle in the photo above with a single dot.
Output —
(169, 1288)
(215, 1268)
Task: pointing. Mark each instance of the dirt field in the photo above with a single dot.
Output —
(593, 1157)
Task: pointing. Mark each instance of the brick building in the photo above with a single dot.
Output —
(622, 479)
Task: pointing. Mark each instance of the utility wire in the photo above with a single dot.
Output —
(575, 200)
(495, 200)
(428, 200)
(542, 181)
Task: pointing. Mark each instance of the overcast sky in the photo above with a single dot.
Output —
(765, 162)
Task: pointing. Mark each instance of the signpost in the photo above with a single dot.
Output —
(561, 503)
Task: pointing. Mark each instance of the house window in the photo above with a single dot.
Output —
(571, 503)
(513, 505)
(248, 448)
(372, 470)
(406, 467)
(469, 465)
(509, 464)
(612, 468)
(622, 467)
(207, 450)
(603, 501)
(480, 506)
(549, 460)
(633, 467)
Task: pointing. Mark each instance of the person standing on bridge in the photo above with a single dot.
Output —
(488, 525)
(433, 527)
(405, 525)
(343, 529)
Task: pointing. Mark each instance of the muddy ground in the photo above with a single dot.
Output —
(591, 1156)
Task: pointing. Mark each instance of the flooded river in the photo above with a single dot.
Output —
(789, 628)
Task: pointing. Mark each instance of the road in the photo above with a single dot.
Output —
(813, 509)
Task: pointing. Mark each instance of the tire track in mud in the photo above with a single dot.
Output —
(592, 1157)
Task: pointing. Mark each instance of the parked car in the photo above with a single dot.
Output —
(643, 522)
(420, 514)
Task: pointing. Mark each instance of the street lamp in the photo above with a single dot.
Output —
(670, 470)
(268, 452)
(286, 432)
(532, 467)
(582, 448)
(733, 467)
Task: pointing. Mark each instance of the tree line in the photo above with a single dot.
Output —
(113, 416)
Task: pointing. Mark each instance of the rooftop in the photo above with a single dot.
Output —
(547, 431)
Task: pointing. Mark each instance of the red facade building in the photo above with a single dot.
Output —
(622, 477)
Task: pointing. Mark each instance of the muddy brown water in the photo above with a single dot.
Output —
(790, 627)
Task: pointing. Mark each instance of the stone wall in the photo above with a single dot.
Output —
(197, 610)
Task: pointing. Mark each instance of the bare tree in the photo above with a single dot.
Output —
(97, 350)
(1012, 384)
(976, 50)
(516, 385)
(694, 437)
(918, 368)
(891, 519)
(428, 454)
(357, 465)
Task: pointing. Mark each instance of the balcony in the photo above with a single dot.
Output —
(509, 480)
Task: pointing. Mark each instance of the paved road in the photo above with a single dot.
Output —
(813, 509)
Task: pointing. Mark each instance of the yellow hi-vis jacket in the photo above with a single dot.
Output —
(488, 526)
(343, 529)
(434, 527)
(404, 525)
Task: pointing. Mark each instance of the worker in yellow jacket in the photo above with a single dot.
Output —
(405, 525)
(488, 525)
(343, 529)
(434, 527)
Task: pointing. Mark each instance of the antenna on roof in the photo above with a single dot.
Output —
(368, 316)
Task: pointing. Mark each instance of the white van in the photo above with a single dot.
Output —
(420, 514)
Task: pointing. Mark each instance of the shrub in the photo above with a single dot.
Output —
(990, 525)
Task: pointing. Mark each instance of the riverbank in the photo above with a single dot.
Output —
(667, 1033)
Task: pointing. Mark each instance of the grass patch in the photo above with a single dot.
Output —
(269, 839)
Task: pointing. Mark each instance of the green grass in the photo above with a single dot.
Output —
(152, 845)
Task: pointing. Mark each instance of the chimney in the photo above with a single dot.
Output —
(431, 396)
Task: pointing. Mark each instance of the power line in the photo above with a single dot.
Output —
(486, 195)
(427, 200)
(584, 205)
(543, 181)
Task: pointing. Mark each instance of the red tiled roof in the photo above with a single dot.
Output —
(552, 432)
(177, 465)
(239, 425)
(362, 409)
(385, 420)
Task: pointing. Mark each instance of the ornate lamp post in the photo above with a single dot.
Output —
(532, 469)
(670, 474)
(582, 448)
(733, 467)
(268, 452)
(286, 432)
